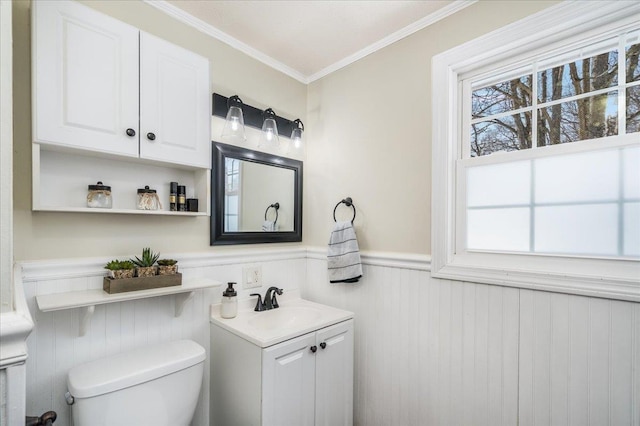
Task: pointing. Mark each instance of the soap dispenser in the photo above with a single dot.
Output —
(229, 307)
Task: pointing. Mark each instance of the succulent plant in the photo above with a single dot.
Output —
(116, 265)
(167, 262)
(148, 258)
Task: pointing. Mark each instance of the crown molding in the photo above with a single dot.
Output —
(214, 32)
(392, 38)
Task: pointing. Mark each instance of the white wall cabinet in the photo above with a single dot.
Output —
(104, 89)
(85, 79)
(307, 380)
(175, 104)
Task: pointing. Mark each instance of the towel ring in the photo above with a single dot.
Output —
(349, 203)
(276, 206)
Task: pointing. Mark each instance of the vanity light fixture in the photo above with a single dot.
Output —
(234, 124)
(256, 118)
(296, 133)
(269, 128)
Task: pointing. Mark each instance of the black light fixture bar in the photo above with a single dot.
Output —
(252, 116)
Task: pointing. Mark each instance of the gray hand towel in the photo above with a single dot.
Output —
(343, 257)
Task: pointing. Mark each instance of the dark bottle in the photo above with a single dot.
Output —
(182, 198)
(173, 196)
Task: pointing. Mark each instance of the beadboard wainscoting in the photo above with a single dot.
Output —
(439, 352)
(428, 352)
(54, 346)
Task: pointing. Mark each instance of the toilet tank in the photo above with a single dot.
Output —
(154, 385)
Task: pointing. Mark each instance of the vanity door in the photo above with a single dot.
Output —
(288, 382)
(334, 375)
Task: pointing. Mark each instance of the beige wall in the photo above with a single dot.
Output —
(41, 235)
(369, 134)
(6, 167)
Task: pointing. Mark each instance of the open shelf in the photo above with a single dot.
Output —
(61, 178)
(87, 300)
(119, 211)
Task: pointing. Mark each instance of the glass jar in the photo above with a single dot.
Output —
(99, 196)
(148, 199)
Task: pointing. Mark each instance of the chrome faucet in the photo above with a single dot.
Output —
(270, 301)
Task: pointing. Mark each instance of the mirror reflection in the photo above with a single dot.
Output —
(257, 197)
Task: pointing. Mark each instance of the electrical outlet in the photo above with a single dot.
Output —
(252, 277)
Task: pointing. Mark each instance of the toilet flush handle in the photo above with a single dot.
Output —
(69, 398)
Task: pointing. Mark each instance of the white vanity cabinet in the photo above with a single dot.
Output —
(114, 104)
(104, 86)
(307, 380)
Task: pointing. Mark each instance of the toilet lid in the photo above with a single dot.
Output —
(132, 368)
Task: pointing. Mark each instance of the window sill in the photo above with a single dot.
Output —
(619, 288)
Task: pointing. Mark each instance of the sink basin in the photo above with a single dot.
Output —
(294, 317)
(285, 317)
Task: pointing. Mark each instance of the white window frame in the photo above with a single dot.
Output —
(237, 192)
(559, 27)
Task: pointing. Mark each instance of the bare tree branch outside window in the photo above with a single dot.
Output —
(581, 118)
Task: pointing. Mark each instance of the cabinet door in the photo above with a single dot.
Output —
(85, 68)
(175, 99)
(334, 375)
(288, 383)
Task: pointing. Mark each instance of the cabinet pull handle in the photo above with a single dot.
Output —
(323, 345)
(313, 348)
(131, 132)
(151, 136)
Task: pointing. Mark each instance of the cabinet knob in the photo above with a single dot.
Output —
(313, 348)
(151, 136)
(131, 132)
(323, 345)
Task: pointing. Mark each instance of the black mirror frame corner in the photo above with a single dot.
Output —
(219, 153)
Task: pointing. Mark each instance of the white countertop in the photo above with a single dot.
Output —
(294, 317)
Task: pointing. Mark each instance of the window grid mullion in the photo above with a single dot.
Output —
(622, 84)
(620, 203)
(490, 118)
(555, 204)
(534, 105)
(622, 130)
(532, 209)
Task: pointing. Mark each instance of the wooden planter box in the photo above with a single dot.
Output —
(122, 285)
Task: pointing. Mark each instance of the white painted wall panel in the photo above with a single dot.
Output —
(3, 396)
(471, 354)
(579, 360)
(428, 351)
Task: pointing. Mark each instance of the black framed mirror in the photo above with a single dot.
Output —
(255, 197)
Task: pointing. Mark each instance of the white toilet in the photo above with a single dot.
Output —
(157, 385)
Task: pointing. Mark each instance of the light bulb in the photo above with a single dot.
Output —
(234, 125)
(296, 133)
(270, 128)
